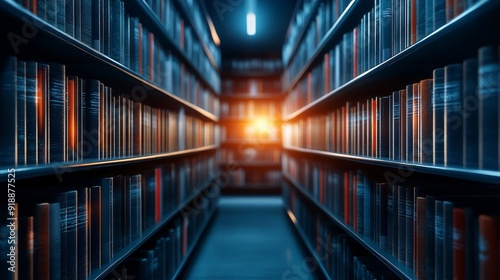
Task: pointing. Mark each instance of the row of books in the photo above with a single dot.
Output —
(241, 177)
(167, 13)
(250, 109)
(66, 233)
(449, 120)
(108, 27)
(50, 116)
(253, 65)
(387, 29)
(436, 232)
(251, 86)
(162, 259)
(324, 14)
(340, 256)
(250, 153)
(250, 133)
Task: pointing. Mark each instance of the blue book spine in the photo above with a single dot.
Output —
(57, 117)
(453, 115)
(438, 116)
(488, 94)
(471, 114)
(8, 101)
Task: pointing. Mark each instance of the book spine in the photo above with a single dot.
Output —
(488, 93)
(420, 238)
(438, 104)
(471, 114)
(439, 240)
(8, 71)
(57, 116)
(453, 122)
(448, 240)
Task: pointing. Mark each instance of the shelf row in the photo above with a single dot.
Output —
(51, 116)
(388, 217)
(81, 60)
(353, 60)
(104, 218)
(116, 30)
(337, 255)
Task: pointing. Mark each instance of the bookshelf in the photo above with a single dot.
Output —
(250, 148)
(110, 140)
(363, 153)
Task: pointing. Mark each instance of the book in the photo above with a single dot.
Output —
(471, 113)
(488, 92)
(453, 118)
(8, 154)
(438, 105)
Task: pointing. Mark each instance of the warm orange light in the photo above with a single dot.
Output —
(262, 124)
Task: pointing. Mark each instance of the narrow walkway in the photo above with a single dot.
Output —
(250, 238)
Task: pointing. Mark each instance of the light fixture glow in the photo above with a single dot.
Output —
(251, 24)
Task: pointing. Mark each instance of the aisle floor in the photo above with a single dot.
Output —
(250, 238)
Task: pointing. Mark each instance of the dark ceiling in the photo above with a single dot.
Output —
(229, 18)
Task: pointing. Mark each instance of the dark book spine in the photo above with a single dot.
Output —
(95, 227)
(367, 208)
(438, 106)
(386, 28)
(429, 17)
(453, 119)
(107, 219)
(43, 113)
(359, 202)
(439, 240)
(87, 21)
(396, 115)
(8, 101)
(26, 248)
(60, 14)
(402, 224)
(82, 234)
(402, 123)
(69, 17)
(420, 238)
(391, 237)
(42, 241)
(409, 123)
(471, 114)
(488, 94)
(421, 19)
(57, 117)
(416, 122)
(383, 128)
(70, 254)
(51, 12)
(489, 251)
(77, 14)
(430, 235)
(439, 13)
(384, 217)
(448, 240)
(117, 213)
(31, 114)
(425, 121)
(21, 113)
(95, 24)
(410, 220)
(92, 121)
(55, 265)
(459, 237)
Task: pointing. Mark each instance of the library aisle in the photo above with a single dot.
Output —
(250, 238)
